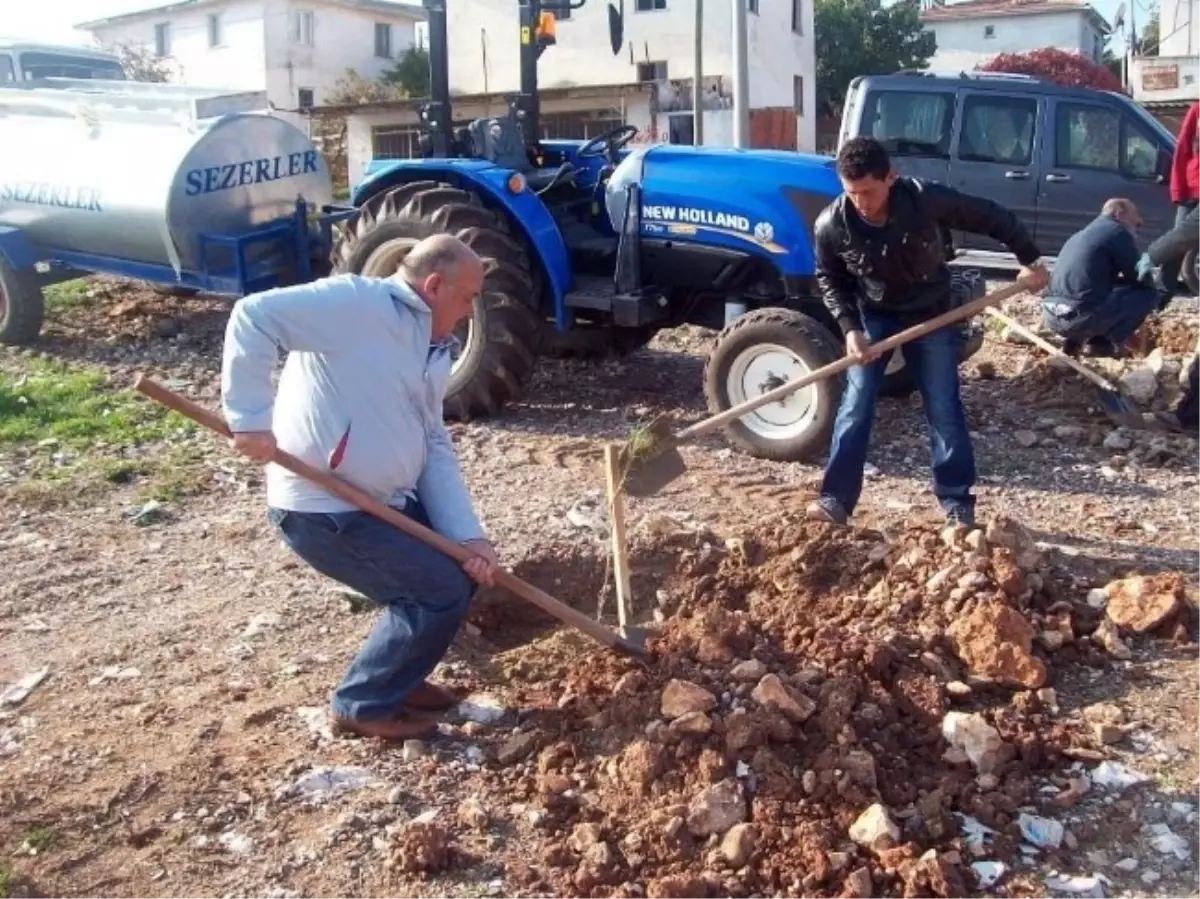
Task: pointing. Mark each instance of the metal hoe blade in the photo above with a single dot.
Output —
(654, 463)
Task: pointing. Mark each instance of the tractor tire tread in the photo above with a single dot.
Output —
(511, 346)
(24, 306)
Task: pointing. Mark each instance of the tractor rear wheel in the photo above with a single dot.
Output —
(22, 306)
(755, 353)
(499, 343)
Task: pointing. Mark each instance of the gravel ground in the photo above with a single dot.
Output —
(189, 659)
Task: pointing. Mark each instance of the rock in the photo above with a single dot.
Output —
(1025, 438)
(693, 723)
(748, 672)
(958, 689)
(1069, 432)
(1009, 533)
(874, 829)
(1140, 604)
(422, 847)
(809, 781)
(995, 640)
(860, 766)
(1097, 597)
(1106, 636)
(1141, 385)
(738, 844)
(1127, 864)
(772, 693)
(1052, 640)
(1108, 733)
(987, 782)
(584, 837)
(985, 370)
(630, 683)
(680, 697)
(1103, 713)
(413, 750)
(1117, 441)
(858, 885)
(677, 886)
(471, 813)
(517, 747)
(717, 809)
(979, 740)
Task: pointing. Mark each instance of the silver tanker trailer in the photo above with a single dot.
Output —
(183, 187)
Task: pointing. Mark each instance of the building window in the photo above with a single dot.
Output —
(752, 6)
(162, 39)
(395, 142)
(650, 5)
(302, 27)
(798, 16)
(989, 31)
(798, 94)
(652, 71)
(214, 30)
(383, 40)
(305, 98)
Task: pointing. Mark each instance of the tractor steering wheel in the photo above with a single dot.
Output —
(608, 143)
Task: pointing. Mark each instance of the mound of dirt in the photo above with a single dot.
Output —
(792, 732)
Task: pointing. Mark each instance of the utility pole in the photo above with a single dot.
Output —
(697, 74)
(741, 77)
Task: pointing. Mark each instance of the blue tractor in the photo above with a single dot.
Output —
(596, 246)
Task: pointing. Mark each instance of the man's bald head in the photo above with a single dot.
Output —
(448, 275)
(1121, 210)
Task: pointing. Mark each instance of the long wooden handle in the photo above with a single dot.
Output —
(367, 503)
(1051, 349)
(946, 318)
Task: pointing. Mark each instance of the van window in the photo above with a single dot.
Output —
(997, 129)
(63, 65)
(1097, 138)
(1087, 137)
(910, 123)
(6, 68)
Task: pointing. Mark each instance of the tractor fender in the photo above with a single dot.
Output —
(526, 212)
(16, 248)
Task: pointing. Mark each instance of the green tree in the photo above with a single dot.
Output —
(411, 73)
(863, 37)
(1148, 41)
(143, 64)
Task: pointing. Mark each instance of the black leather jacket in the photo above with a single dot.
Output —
(900, 269)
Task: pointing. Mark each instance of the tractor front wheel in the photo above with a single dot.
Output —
(22, 306)
(499, 343)
(759, 351)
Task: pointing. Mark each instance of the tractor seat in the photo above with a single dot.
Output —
(498, 140)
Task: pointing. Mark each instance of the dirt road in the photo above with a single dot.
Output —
(177, 744)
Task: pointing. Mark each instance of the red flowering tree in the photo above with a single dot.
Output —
(1059, 66)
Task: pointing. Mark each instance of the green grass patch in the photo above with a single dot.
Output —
(39, 839)
(6, 879)
(75, 436)
(66, 295)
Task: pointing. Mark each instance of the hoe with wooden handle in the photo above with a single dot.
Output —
(632, 641)
(653, 461)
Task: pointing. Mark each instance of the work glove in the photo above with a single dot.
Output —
(1145, 269)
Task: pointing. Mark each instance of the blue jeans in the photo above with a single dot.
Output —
(933, 361)
(1116, 318)
(424, 595)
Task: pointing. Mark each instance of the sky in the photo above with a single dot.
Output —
(52, 21)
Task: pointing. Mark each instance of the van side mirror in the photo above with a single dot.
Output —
(616, 26)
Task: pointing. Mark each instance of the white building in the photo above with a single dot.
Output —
(295, 50)
(973, 31)
(1170, 81)
(586, 89)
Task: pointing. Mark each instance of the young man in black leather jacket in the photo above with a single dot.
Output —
(881, 268)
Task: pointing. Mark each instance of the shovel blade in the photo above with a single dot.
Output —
(1122, 410)
(647, 476)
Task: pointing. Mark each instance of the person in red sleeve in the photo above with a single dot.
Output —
(1185, 167)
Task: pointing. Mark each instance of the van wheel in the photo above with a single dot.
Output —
(757, 352)
(1191, 272)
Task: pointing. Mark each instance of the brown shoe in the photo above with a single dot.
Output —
(430, 697)
(397, 728)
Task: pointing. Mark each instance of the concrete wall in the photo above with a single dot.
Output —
(236, 62)
(257, 50)
(1165, 79)
(1177, 28)
(342, 38)
(485, 50)
(963, 44)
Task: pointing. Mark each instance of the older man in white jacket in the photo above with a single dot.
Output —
(361, 395)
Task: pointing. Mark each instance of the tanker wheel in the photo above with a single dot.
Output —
(759, 351)
(499, 342)
(22, 306)
(1190, 272)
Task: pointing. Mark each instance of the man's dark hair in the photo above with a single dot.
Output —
(863, 156)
